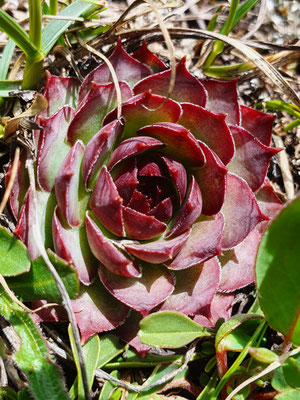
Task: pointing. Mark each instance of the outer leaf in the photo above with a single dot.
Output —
(39, 284)
(8, 86)
(109, 386)
(110, 348)
(13, 255)
(91, 351)
(278, 273)
(7, 54)
(55, 28)
(170, 329)
(33, 357)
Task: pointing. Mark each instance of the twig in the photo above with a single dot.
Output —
(285, 168)
(13, 174)
(66, 302)
(112, 71)
(140, 388)
(270, 368)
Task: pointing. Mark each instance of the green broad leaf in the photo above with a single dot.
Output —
(55, 28)
(6, 57)
(278, 272)
(33, 357)
(159, 372)
(110, 348)
(291, 371)
(91, 351)
(170, 329)
(288, 395)
(38, 283)
(109, 387)
(24, 394)
(14, 258)
(238, 338)
(228, 327)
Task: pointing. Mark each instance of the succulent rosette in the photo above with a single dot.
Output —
(157, 209)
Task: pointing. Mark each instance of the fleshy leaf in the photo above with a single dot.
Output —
(220, 307)
(97, 150)
(97, 311)
(52, 146)
(59, 92)
(145, 56)
(142, 294)
(159, 251)
(222, 98)
(187, 88)
(268, 202)
(106, 203)
(180, 143)
(194, 288)
(241, 212)
(126, 179)
(210, 128)
(139, 111)
(141, 226)
(189, 211)
(108, 254)
(258, 123)
(67, 185)
(20, 186)
(238, 264)
(251, 157)
(278, 273)
(170, 329)
(132, 147)
(72, 246)
(13, 255)
(24, 229)
(99, 101)
(203, 243)
(129, 333)
(126, 68)
(38, 283)
(211, 179)
(178, 175)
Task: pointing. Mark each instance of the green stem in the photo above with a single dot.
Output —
(238, 361)
(35, 23)
(53, 7)
(18, 35)
(219, 45)
(32, 74)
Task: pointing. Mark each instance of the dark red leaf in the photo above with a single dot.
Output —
(258, 123)
(97, 311)
(141, 294)
(107, 253)
(223, 98)
(241, 212)
(126, 68)
(189, 211)
(210, 128)
(203, 243)
(187, 88)
(140, 226)
(106, 203)
(158, 251)
(145, 56)
(180, 143)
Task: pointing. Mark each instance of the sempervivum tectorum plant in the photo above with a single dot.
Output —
(156, 210)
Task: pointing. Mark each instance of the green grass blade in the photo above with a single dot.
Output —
(33, 357)
(242, 11)
(7, 54)
(8, 86)
(17, 34)
(55, 28)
